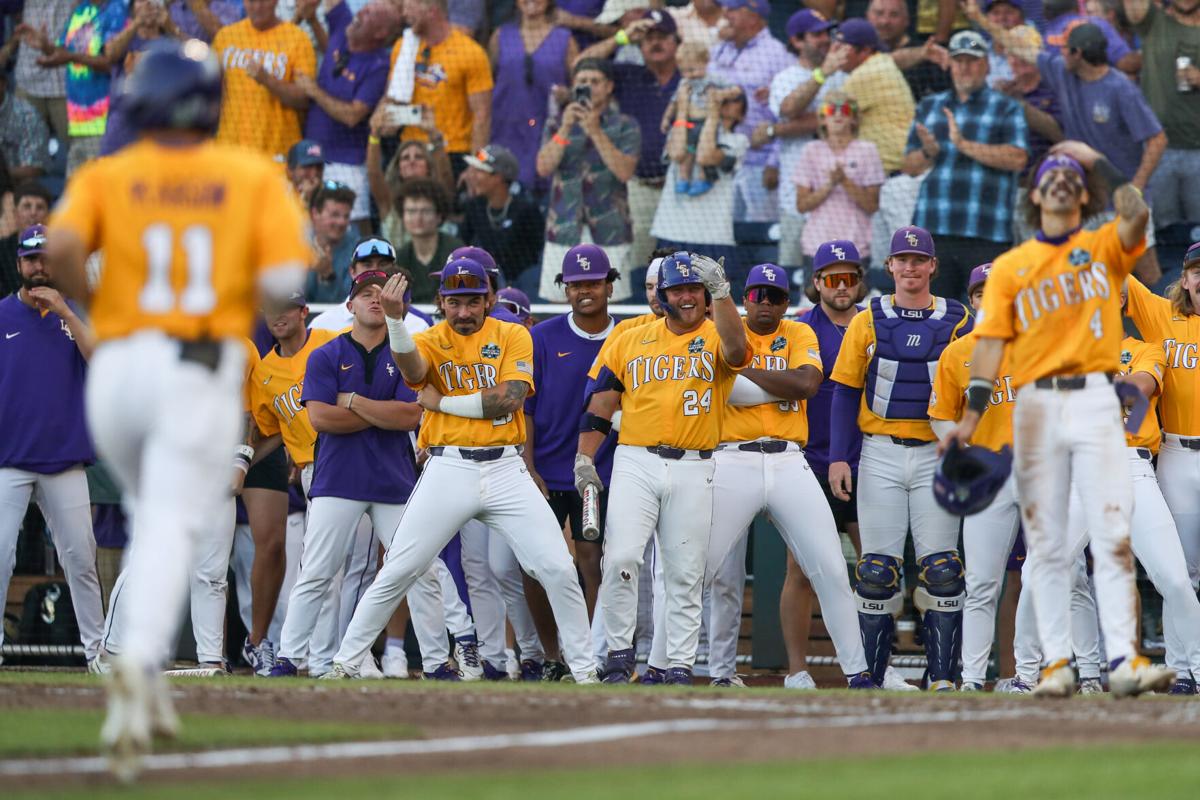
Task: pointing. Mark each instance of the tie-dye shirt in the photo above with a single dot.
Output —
(92, 23)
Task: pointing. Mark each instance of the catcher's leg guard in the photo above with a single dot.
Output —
(940, 596)
(879, 601)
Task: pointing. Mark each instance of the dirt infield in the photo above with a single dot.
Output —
(479, 727)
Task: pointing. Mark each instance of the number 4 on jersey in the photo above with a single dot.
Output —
(694, 401)
(1097, 325)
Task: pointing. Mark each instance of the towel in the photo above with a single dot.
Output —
(400, 87)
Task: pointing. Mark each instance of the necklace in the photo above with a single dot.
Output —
(497, 219)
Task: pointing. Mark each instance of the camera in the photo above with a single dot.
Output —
(403, 115)
(582, 95)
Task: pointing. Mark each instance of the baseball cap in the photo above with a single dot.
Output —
(32, 241)
(372, 277)
(1057, 161)
(293, 300)
(968, 43)
(838, 251)
(760, 7)
(807, 21)
(478, 255)
(858, 32)
(584, 262)
(978, 275)
(911, 239)
(463, 276)
(305, 153)
(495, 159)
(663, 22)
(1192, 256)
(768, 275)
(373, 246)
(1088, 39)
(515, 301)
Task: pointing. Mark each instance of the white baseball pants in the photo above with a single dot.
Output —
(174, 471)
(1062, 436)
(243, 560)
(988, 538)
(63, 499)
(895, 493)
(487, 605)
(501, 495)
(646, 492)
(1179, 480)
(1085, 628)
(504, 565)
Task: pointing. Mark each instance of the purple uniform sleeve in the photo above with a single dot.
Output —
(320, 376)
(843, 421)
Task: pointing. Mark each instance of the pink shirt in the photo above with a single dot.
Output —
(839, 217)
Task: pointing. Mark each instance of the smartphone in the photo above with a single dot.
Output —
(403, 115)
(582, 95)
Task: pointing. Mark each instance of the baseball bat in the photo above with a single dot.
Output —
(591, 513)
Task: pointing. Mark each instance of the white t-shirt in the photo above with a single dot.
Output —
(782, 85)
(707, 219)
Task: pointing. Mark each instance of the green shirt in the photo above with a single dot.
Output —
(424, 288)
(1163, 39)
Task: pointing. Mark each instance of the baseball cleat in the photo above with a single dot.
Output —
(252, 656)
(1058, 680)
(941, 686)
(368, 669)
(337, 673)
(395, 664)
(139, 708)
(862, 680)
(260, 657)
(466, 653)
(283, 668)
(1012, 686)
(555, 671)
(446, 672)
(618, 666)
(801, 680)
(1090, 686)
(971, 686)
(678, 676)
(1183, 685)
(591, 677)
(735, 682)
(653, 676)
(99, 665)
(893, 681)
(490, 673)
(532, 670)
(1129, 677)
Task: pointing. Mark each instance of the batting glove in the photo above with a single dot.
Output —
(585, 473)
(712, 273)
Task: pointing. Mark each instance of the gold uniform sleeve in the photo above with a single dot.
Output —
(517, 364)
(851, 365)
(999, 294)
(949, 382)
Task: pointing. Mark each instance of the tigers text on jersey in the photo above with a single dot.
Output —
(792, 345)
(948, 400)
(276, 386)
(186, 232)
(674, 387)
(1058, 303)
(1138, 356)
(1180, 337)
(459, 365)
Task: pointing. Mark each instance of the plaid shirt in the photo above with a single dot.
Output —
(960, 196)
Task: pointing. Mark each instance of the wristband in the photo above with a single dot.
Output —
(399, 339)
(372, 139)
(466, 405)
(621, 37)
(244, 451)
(818, 76)
(979, 394)
(244, 466)
(683, 123)
(350, 400)
(558, 140)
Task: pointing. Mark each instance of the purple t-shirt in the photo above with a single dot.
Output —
(1110, 113)
(753, 67)
(373, 465)
(829, 341)
(348, 77)
(42, 374)
(642, 97)
(561, 360)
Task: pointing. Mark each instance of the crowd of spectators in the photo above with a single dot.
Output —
(747, 129)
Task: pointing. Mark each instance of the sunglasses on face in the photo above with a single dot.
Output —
(839, 109)
(847, 279)
(514, 307)
(374, 247)
(462, 280)
(32, 242)
(767, 294)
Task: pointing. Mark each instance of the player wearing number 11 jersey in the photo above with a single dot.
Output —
(190, 231)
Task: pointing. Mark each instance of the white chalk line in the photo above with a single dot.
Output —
(593, 734)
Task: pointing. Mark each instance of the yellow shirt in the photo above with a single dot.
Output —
(624, 325)
(792, 345)
(948, 399)
(447, 74)
(251, 115)
(675, 386)
(252, 359)
(858, 347)
(459, 365)
(276, 385)
(1180, 337)
(1138, 356)
(1059, 305)
(885, 107)
(186, 233)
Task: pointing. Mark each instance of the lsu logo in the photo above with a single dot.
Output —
(696, 345)
(584, 263)
(911, 238)
(490, 351)
(778, 344)
(391, 369)
(769, 274)
(62, 324)
(1126, 357)
(840, 253)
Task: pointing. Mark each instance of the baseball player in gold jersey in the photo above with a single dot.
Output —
(672, 380)
(1052, 305)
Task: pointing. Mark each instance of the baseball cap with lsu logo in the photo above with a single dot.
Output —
(979, 276)
(911, 239)
(584, 262)
(767, 283)
(838, 251)
(32, 241)
(463, 276)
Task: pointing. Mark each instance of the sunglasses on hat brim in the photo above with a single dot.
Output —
(374, 247)
(464, 280)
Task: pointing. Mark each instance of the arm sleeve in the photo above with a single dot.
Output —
(843, 421)
(320, 377)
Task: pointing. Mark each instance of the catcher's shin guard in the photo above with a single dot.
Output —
(879, 601)
(940, 596)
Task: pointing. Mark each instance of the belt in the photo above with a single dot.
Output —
(1190, 444)
(675, 453)
(766, 446)
(205, 352)
(900, 440)
(1144, 453)
(653, 183)
(1066, 382)
(475, 453)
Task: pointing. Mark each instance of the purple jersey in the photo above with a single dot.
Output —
(829, 339)
(42, 373)
(372, 465)
(562, 356)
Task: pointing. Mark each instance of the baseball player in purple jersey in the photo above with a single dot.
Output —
(361, 409)
(44, 441)
(513, 299)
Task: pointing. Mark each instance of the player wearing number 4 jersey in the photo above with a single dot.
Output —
(671, 379)
(191, 231)
(1052, 305)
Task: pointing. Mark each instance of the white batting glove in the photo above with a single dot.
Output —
(712, 273)
(585, 473)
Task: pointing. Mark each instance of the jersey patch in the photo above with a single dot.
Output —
(696, 345)
(778, 344)
(490, 351)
